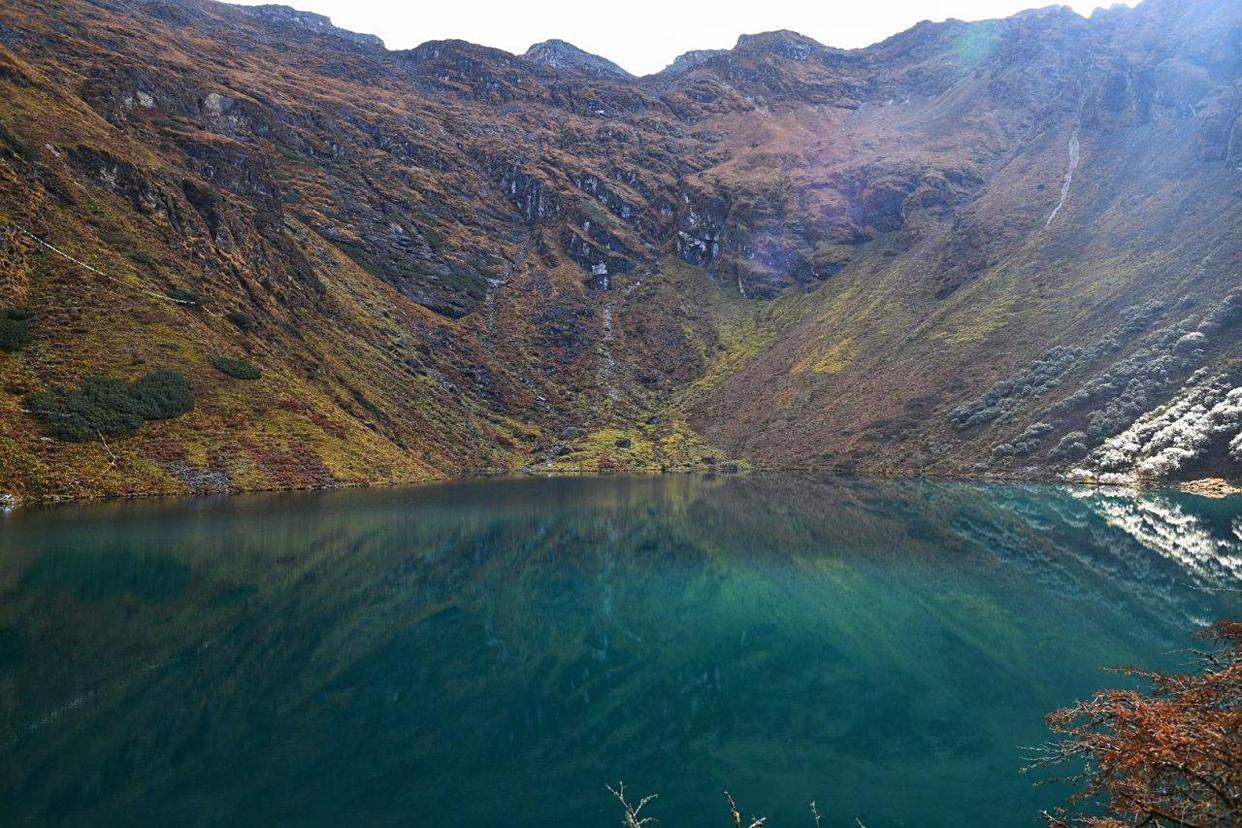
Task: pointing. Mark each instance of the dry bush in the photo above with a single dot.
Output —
(1170, 756)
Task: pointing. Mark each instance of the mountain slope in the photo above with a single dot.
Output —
(972, 247)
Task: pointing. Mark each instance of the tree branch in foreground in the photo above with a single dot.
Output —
(1170, 756)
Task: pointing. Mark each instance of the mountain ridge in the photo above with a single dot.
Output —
(557, 49)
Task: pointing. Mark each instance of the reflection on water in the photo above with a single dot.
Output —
(492, 653)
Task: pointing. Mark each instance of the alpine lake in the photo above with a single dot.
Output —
(493, 653)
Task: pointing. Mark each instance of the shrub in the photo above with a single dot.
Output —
(15, 324)
(1225, 315)
(1138, 318)
(103, 406)
(1072, 445)
(99, 406)
(13, 334)
(373, 409)
(184, 297)
(144, 259)
(236, 368)
(163, 395)
(1190, 341)
(240, 319)
(1033, 380)
(1036, 431)
(1027, 442)
(1127, 388)
(1162, 441)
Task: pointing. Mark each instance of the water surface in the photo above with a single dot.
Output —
(492, 653)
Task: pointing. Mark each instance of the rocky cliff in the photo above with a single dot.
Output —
(1006, 247)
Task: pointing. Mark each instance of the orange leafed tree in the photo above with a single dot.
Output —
(1171, 756)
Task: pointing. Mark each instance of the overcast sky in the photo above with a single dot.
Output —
(643, 36)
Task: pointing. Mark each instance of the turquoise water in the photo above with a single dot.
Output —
(493, 653)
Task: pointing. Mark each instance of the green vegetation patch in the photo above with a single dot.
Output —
(163, 395)
(103, 406)
(15, 325)
(236, 368)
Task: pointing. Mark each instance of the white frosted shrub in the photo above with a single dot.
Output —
(1165, 440)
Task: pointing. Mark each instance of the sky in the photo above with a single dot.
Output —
(644, 36)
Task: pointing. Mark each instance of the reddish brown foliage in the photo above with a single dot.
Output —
(1171, 756)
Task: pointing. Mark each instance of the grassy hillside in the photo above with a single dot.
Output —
(972, 248)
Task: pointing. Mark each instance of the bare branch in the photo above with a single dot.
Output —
(755, 822)
(633, 817)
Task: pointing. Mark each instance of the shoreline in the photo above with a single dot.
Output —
(1209, 487)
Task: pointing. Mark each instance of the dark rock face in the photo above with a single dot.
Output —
(597, 253)
(532, 198)
(699, 247)
(1219, 127)
(629, 212)
(700, 227)
(125, 180)
(237, 172)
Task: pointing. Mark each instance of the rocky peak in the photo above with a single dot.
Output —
(285, 17)
(782, 43)
(1044, 12)
(461, 52)
(562, 56)
(685, 62)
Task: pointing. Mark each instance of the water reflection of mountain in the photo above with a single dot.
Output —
(503, 648)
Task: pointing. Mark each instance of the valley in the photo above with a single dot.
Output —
(974, 249)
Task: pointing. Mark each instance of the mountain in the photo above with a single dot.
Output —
(688, 60)
(1008, 247)
(557, 54)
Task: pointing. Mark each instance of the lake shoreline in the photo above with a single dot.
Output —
(1206, 487)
